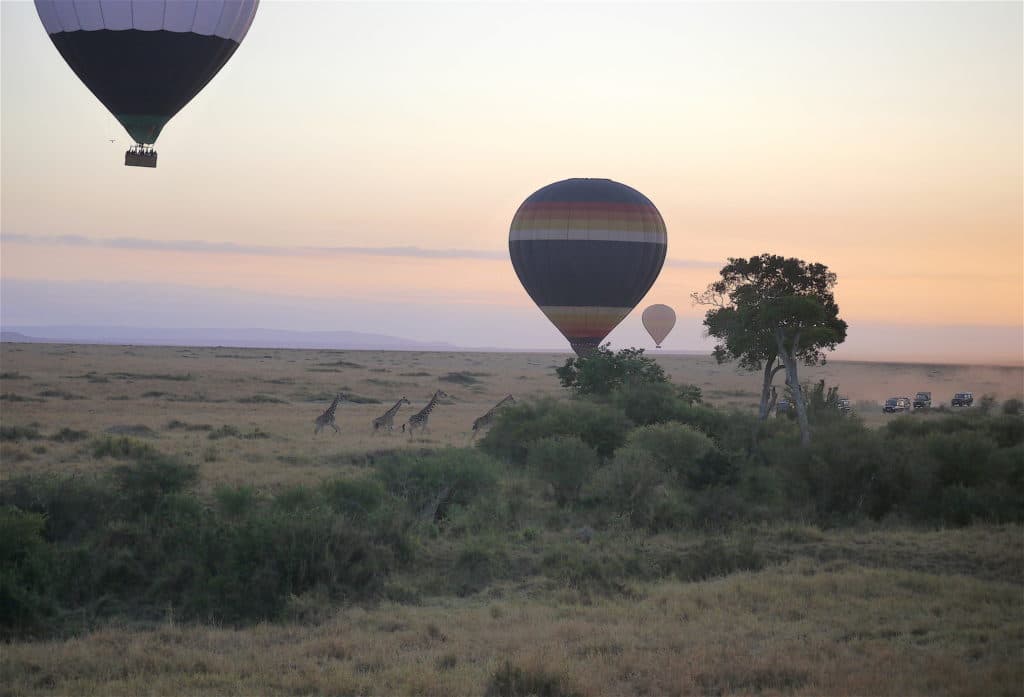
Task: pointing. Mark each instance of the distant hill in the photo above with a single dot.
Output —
(241, 338)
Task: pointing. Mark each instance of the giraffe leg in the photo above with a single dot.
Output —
(335, 427)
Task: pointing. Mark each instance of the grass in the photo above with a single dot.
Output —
(11, 397)
(228, 431)
(261, 399)
(60, 394)
(19, 433)
(175, 424)
(463, 377)
(139, 430)
(175, 377)
(771, 609)
(341, 364)
(796, 629)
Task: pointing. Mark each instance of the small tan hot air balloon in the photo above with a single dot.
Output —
(658, 321)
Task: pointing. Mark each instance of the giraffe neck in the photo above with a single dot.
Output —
(490, 412)
(394, 410)
(334, 405)
(429, 408)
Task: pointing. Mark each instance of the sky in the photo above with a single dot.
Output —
(356, 166)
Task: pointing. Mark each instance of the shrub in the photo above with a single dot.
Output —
(1006, 430)
(69, 435)
(690, 394)
(515, 681)
(18, 433)
(962, 458)
(354, 498)
(1013, 407)
(675, 448)
(633, 486)
(732, 431)
(72, 505)
(601, 426)
(713, 558)
(430, 483)
(149, 479)
(123, 448)
(24, 573)
(601, 371)
(235, 501)
(647, 403)
(564, 462)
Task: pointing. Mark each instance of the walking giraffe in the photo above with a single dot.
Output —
(419, 419)
(387, 419)
(485, 420)
(327, 418)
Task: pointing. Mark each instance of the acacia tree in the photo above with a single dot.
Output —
(771, 313)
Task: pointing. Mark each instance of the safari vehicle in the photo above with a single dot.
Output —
(785, 408)
(896, 404)
(923, 400)
(843, 405)
(963, 399)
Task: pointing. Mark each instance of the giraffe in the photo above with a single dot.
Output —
(327, 418)
(485, 420)
(419, 419)
(387, 419)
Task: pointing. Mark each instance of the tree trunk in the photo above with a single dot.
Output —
(766, 390)
(767, 396)
(789, 360)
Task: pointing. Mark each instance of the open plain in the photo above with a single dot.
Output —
(882, 608)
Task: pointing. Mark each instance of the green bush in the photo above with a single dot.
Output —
(18, 433)
(357, 499)
(601, 426)
(636, 488)
(429, 484)
(564, 462)
(145, 482)
(679, 449)
(1006, 430)
(713, 558)
(515, 681)
(25, 564)
(1013, 407)
(235, 501)
(123, 448)
(647, 403)
(69, 435)
(602, 371)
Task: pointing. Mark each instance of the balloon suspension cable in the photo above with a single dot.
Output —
(140, 155)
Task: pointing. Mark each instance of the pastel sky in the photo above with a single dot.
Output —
(358, 165)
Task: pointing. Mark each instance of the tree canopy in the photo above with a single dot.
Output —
(600, 371)
(770, 313)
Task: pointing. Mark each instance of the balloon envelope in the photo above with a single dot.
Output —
(587, 251)
(146, 59)
(658, 321)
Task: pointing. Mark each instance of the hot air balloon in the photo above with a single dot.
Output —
(146, 59)
(587, 251)
(658, 321)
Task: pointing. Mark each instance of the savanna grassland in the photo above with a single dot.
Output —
(173, 526)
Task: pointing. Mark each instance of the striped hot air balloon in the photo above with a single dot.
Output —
(146, 59)
(658, 321)
(587, 251)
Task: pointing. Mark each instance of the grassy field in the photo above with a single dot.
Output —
(874, 609)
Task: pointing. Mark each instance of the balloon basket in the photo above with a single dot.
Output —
(140, 156)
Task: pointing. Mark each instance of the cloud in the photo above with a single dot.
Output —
(201, 247)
